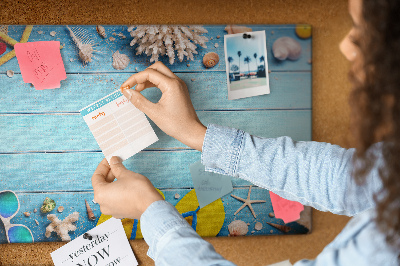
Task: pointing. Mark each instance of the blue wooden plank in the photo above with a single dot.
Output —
(208, 91)
(52, 172)
(103, 58)
(63, 132)
(76, 202)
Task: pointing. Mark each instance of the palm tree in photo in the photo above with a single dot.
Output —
(255, 57)
(239, 54)
(247, 60)
(262, 59)
(230, 60)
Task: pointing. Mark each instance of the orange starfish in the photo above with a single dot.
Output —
(247, 202)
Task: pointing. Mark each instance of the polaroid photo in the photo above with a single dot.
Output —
(246, 64)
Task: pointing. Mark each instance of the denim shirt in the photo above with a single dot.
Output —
(312, 173)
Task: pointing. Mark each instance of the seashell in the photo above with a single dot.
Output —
(177, 196)
(120, 61)
(35, 210)
(253, 232)
(101, 31)
(218, 36)
(114, 34)
(271, 214)
(121, 35)
(48, 205)
(89, 211)
(40, 32)
(271, 231)
(210, 59)
(60, 209)
(135, 68)
(193, 79)
(216, 45)
(286, 47)
(10, 73)
(36, 221)
(84, 43)
(27, 214)
(188, 65)
(94, 201)
(258, 226)
(280, 227)
(71, 60)
(111, 39)
(232, 29)
(53, 33)
(238, 228)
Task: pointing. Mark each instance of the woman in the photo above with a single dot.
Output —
(360, 182)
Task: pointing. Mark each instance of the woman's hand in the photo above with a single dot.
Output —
(128, 197)
(173, 113)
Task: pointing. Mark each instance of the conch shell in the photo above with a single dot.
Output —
(280, 227)
(101, 31)
(232, 29)
(90, 213)
(120, 61)
(286, 48)
(238, 228)
(210, 59)
(84, 43)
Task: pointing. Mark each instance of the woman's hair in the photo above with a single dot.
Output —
(375, 103)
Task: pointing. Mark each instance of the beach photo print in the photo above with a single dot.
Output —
(246, 64)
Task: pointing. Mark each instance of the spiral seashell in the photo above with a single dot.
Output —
(101, 31)
(90, 213)
(210, 59)
(286, 48)
(280, 227)
(120, 61)
(232, 29)
(238, 228)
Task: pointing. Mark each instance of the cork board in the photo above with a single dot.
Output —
(330, 22)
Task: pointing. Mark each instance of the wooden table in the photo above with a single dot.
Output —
(47, 150)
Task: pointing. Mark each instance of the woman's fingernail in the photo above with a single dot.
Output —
(128, 93)
(115, 160)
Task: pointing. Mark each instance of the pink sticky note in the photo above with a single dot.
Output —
(41, 64)
(284, 209)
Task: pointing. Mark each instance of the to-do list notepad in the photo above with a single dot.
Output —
(118, 126)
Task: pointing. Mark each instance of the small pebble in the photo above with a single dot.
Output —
(27, 214)
(53, 33)
(36, 221)
(248, 224)
(271, 231)
(35, 210)
(188, 65)
(271, 214)
(192, 79)
(177, 196)
(111, 39)
(60, 209)
(10, 73)
(71, 59)
(253, 232)
(111, 79)
(40, 32)
(135, 68)
(216, 45)
(258, 226)
(218, 36)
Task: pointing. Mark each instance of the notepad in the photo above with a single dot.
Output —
(41, 64)
(118, 126)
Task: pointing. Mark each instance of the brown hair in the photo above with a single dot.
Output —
(375, 103)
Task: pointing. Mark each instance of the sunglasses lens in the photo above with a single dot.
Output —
(8, 204)
(20, 234)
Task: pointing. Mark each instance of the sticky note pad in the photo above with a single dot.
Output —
(284, 209)
(209, 186)
(108, 246)
(118, 126)
(41, 64)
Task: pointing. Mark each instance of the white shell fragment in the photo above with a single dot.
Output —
(10, 73)
(286, 48)
(121, 35)
(111, 39)
(27, 214)
(258, 226)
(177, 196)
(60, 209)
(53, 33)
(35, 210)
(216, 45)
(238, 228)
(40, 32)
(120, 61)
(101, 31)
(36, 221)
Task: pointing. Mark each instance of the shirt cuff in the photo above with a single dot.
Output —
(221, 149)
(158, 219)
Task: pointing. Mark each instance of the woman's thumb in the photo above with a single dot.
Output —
(138, 100)
(117, 167)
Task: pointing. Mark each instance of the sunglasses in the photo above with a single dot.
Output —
(9, 207)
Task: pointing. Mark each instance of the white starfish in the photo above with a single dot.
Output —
(247, 202)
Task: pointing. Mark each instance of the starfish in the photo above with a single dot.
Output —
(62, 227)
(247, 202)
